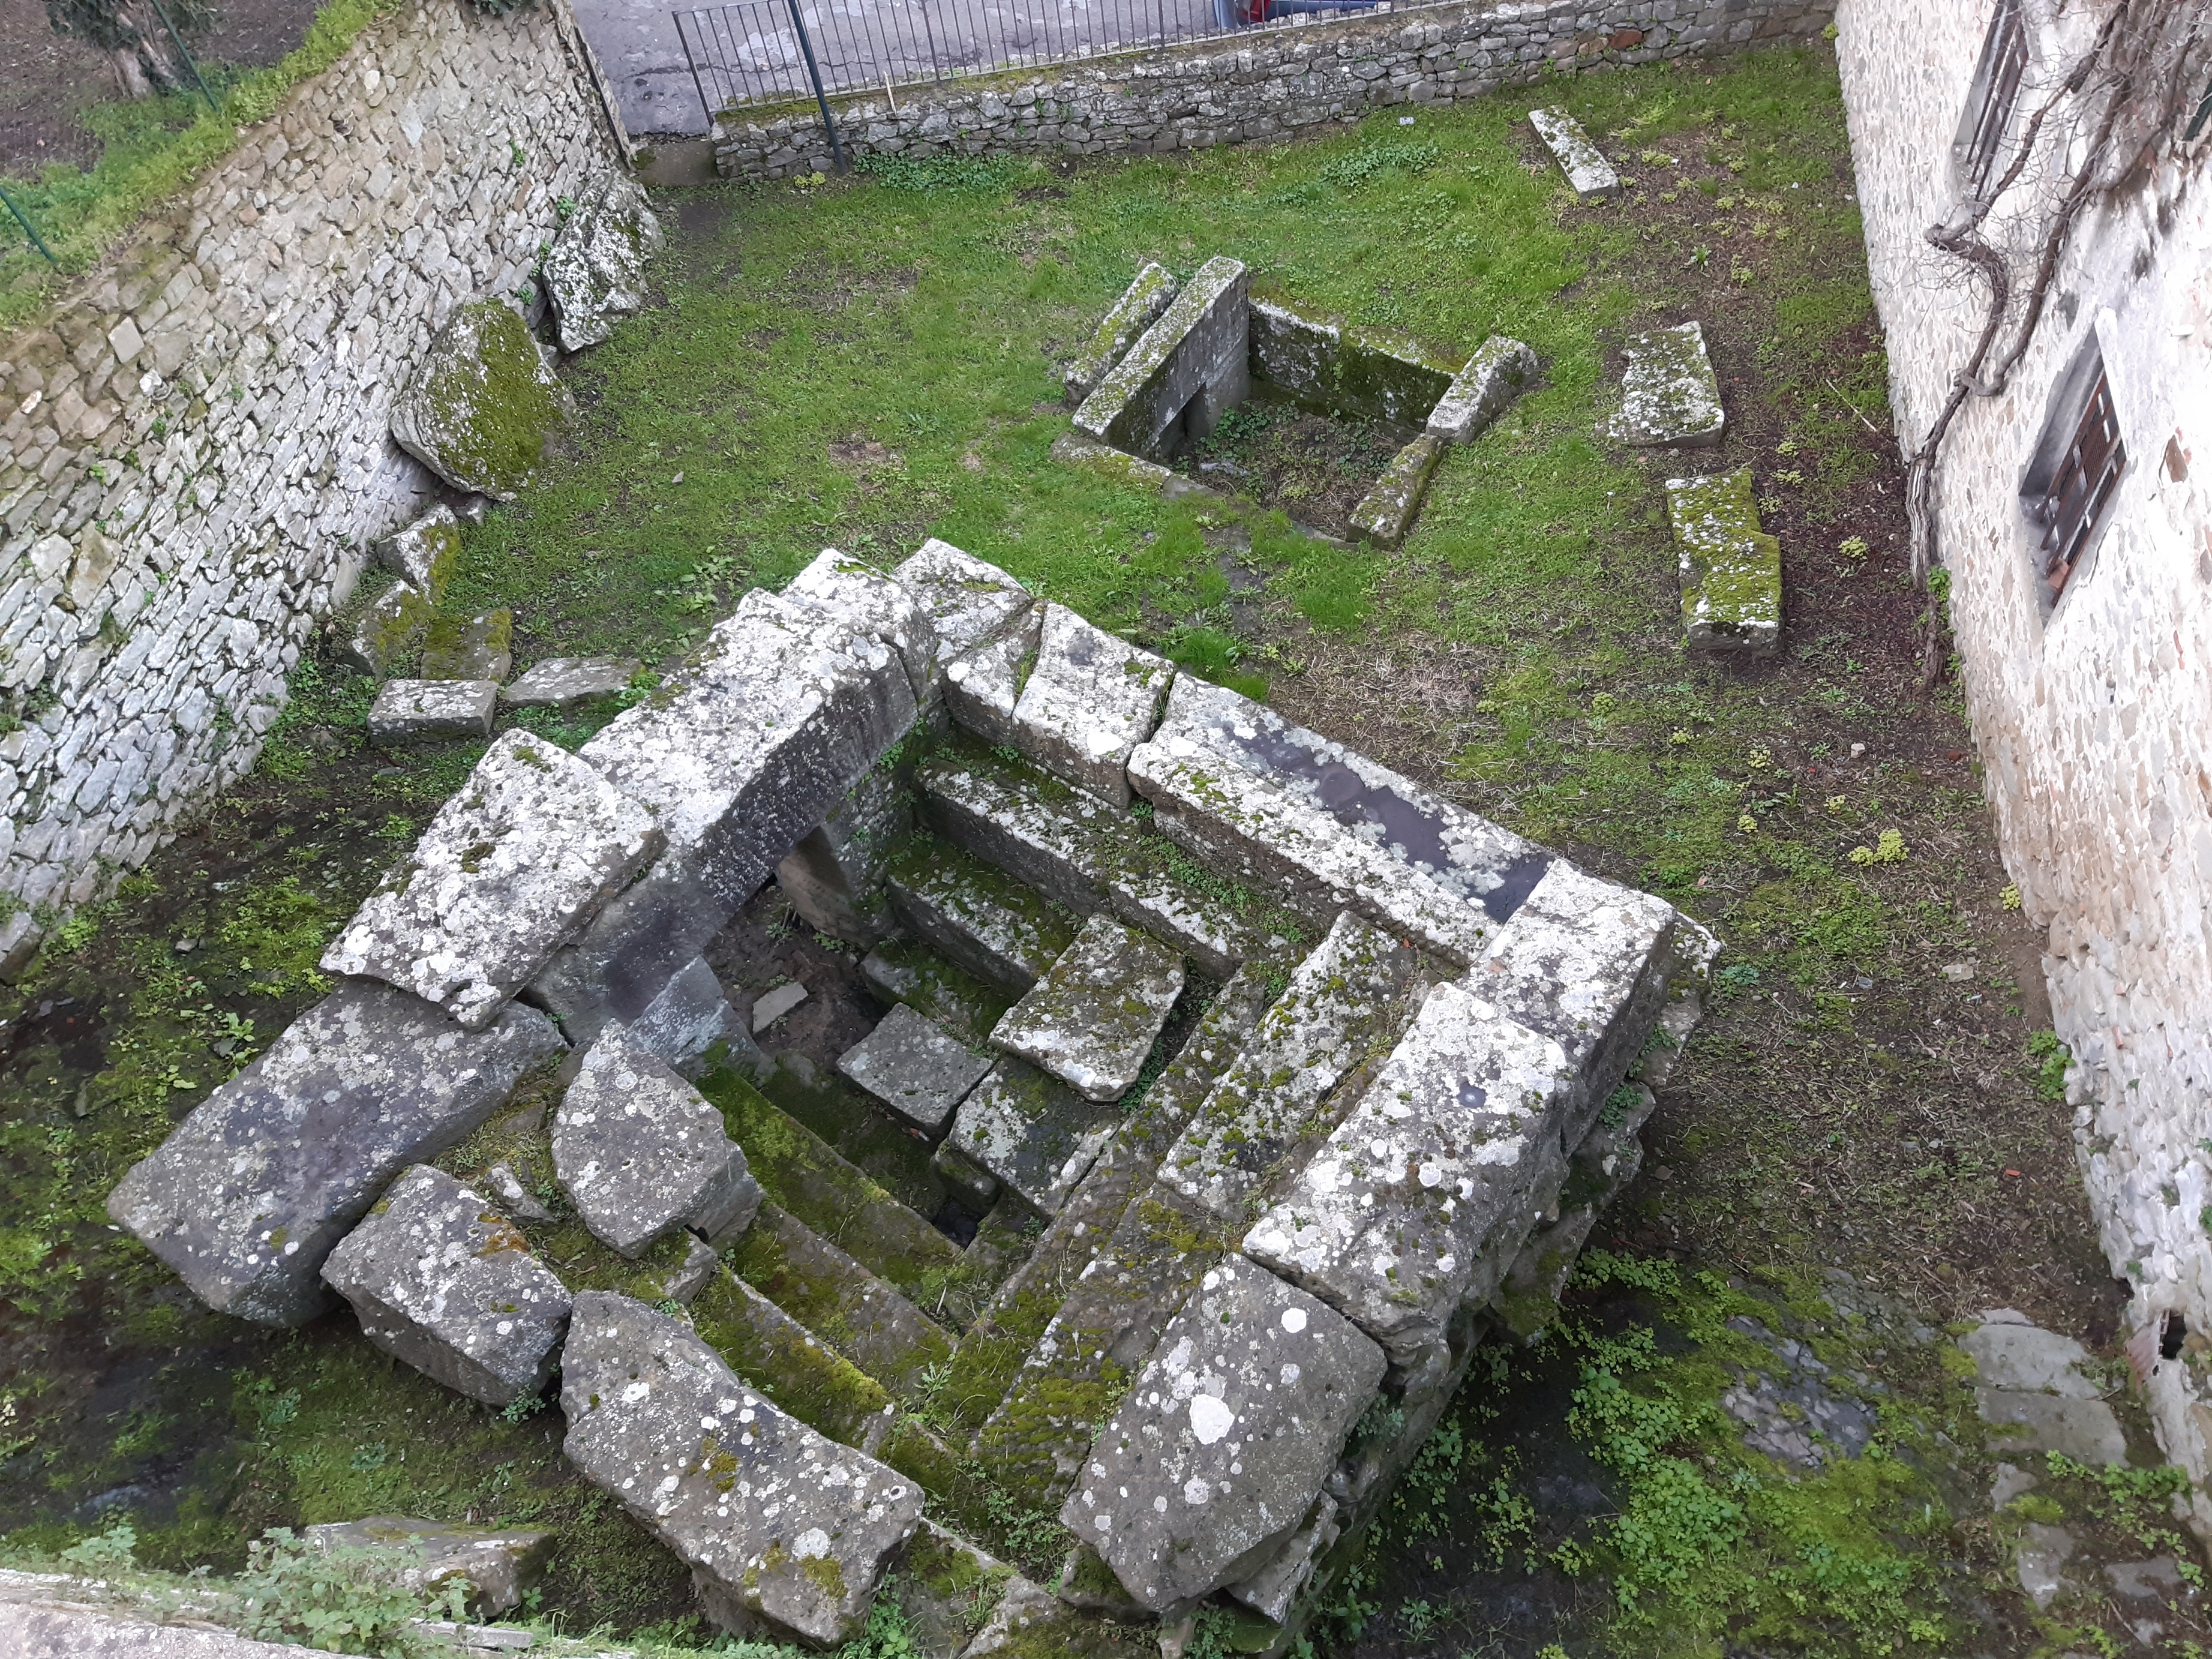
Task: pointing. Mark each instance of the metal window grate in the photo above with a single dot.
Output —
(2004, 64)
(2082, 486)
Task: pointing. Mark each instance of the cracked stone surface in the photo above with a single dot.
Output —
(248, 1196)
(778, 1525)
(1216, 1455)
(514, 861)
(1092, 1019)
(1141, 305)
(691, 1023)
(2031, 1391)
(982, 686)
(1089, 700)
(404, 709)
(642, 1152)
(2009, 1351)
(1587, 170)
(559, 682)
(1669, 395)
(440, 1279)
(874, 607)
(1793, 1415)
(969, 602)
(1032, 1132)
(1272, 1590)
(2040, 1563)
(594, 272)
(1421, 1197)
(911, 1064)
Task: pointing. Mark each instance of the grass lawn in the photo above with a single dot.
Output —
(867, 362)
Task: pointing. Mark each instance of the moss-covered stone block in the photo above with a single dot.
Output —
(787, 1362)
(1345, 368)
(1386, 512)
(905, 970)
(1731, 570)
(480, 647)
(386, 628)
(484, 404)
(1139, 306)
(945, 1588)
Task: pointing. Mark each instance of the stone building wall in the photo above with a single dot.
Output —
(194, 451)
(2095, 725)
(1272, 82)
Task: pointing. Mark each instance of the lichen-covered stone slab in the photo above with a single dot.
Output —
(423, 554)
(1031, 1622)
(1270, 1105)
(1669, 394)
(1233, 780)
(1730, 569)
(793, 1367)
(1032, 1132)
(514, 861)
(594, 272)
(1421, 1197)
(1271, 1591)
(981, 685)
(979, 917)
(872, 605)
(440, 1279)
(778, 1525)
(473, 647)
(1216, 1455)
(1139, 306)
(1386, 513)
(388, 627)
(248, 1196)
(1092, 1019)
(1344, 368)
(1182, 374)
(911, 1064)
(560, 682)
(945, 1590)
(1587, 170)
(407, 710)
(1482, 391)
(1090, 699)
(483, 403)
(500, 1566)
(691, 1026)
(969, 602)
(905, 970)
(640, 1152)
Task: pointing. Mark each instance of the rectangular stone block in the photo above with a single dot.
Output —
(407, 710)
(691, 1026)
(514, 862)
(562, 682)
(477, 647)
(874, 607)
(908, 971)
(1587, 170)
(1669, 394)
(982, 686)
(1031, 1132)
(1139, 306)
(1482, 391)
(969, 602)
(1183, 372)
(425, 554)
(248, 1196)
(1386, 513)
(1090, 700)
(917, 1071)
(388, 627)
(834, 877)
(978, 916)
(1730, 569)
(1091, 1020)
(626, 956)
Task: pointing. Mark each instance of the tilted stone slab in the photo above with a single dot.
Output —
(1224, 1441)
(1343, 1000)
(248, 1196)
(1482, 391)
(872, 605)
(1032, 1132)
(1182, 374)
(979, 917)
(1669, 394)
(514, 861)
(911, 1064)
(625, 959)
(1587, 170)
(1092, 1019)
(407, 710)
(425, 553)
(982, 686)
(594, 272)
(390, 627)
(1232, 778)
(1419, 1199)
(1344, 368)
(560, 682)
(640, 1152)
(793, 1367)
(691, 1026)
(1730, 569)
(968, 601)
(1386, 513)
(441, 1280)
(778, 1525)
(500, 1565)
(1090, 699)
(482, 403)
(1141, 305)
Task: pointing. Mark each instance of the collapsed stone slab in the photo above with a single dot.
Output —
(483, 404)
(1092, 1019)
(969, 602)
(1148, 295)
(248, 1196)
(1587, 170)
(514, 861)
(780, 1526)
(560, 682)
(1091, 700)
(835, 877)
(1032, 1132)
(442, 1281)
(423, 554)
(407, 710)
(594, 272)
(1217, 1453)
(1344, 368)
(1482, 391)
(915, 1068)
(1669, 394)
(1184, 374)
(390, 626)
(691, 1026)
(1730, 569)
(875, 606)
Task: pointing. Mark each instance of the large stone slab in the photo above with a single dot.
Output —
(499, 1565)
(978, 916)
(789, 1364)
(440, 1279)
(626, 957)
(911, 1064)
(908, 971)
(560, 682)
(406, 710)
(1271, 1104)
(691, 1026)
(982, 686)
(1482, 391)
(1141, 305)
(1344, 368)
(1032, 1132)
(1183, 372)
(1233, 780)
(483, 404)
(515, 861)
(1092, 1019)
(875, 606)
(594, 272)
(1089, 700)
(1730, 569)
(1418, 1203)
(640, 1152)
(1669, 394)
(248, 1196)
(779, 1525)
(470, 647)
(969, 602)
(1215, 1456)
(49, 1621)
(387, 629)
(835, 877)
(1587, 170)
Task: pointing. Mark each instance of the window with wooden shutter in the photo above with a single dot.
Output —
(2072, 504)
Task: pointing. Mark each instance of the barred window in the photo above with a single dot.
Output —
(1994, 96)
(2078, 468)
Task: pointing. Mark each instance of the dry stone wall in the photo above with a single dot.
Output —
(1273, 84)
(194, 453)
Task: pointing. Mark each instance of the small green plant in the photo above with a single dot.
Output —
(111, 1552)
(1888, 848)
(2008, 897)
(341, 1600)
(1854, 548)
(2051, 1058)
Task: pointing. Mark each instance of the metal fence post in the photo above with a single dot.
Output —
(821, 98)
(198, 79)
(30, 229)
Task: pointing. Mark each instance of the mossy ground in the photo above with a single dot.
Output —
(863, 365)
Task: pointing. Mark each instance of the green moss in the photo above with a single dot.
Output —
(912, 973)
(777, 1355)
(849, 1121)
(493, 406)
(1021, 922)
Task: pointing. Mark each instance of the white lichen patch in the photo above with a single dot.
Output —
(1669, 394)
(1587, 170)
(1090, 700)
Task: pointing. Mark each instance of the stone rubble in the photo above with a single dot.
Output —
(1185, 372)
(1730, 569)
(425, 553)
(773, 1004)
(1484, 390)
(500, 1565)
(477, 647)
(1588, 173)
(389, 626)
(1032, 1132)
(692, 1027)
(1092, 1019)
(483, 404)
(594, 273)
(2030, 1390)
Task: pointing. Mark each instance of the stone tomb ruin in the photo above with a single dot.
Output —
(1168, 362)
(1260, 1085)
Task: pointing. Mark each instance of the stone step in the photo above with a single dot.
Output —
(914, 1069)
(887, 1151)
(1093, 1018)
(976, 914)
(800, 1371)
(1033, 1134)
(905, 971)
(839, 1300)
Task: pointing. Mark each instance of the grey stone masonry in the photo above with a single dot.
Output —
(690, 1024)
(500, 1566)
(1419, 1199)
(1032, 1132)
(408, 709)
(1386, 512)
(1184, 374)
(1347, 368)
(1233, 779)
(440, 1279)
(909, 1063)
(993, 927)
(835, 877)
(1092, 1019)
(1669, 394)
(982, 687)
(642, 1152)
(1588, 173)
(1149, 293)
(1091, 700)
(1218, 1451)
(558, 682)
(778, 1525)
(514, 861)
(248, 1195)
(1482, 391)
(969, 603)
